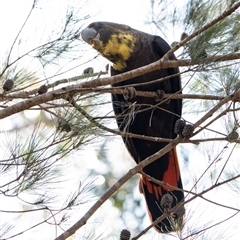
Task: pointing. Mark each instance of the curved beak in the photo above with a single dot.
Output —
(91, 36)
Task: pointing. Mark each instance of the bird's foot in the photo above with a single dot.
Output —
(130, 94)
(160, 95)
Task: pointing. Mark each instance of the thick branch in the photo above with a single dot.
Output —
(57, 94)
(122, 77)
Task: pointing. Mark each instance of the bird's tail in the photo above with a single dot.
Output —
(161, 198)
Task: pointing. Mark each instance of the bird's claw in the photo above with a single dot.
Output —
(160, 94)
(131, 93)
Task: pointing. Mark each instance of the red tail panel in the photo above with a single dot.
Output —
(153, 193)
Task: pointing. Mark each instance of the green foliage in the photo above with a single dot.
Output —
(221, 38)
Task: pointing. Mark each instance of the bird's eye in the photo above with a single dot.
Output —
(100, 24)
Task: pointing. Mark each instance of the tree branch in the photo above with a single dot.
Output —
(225, 14)
(59, 93)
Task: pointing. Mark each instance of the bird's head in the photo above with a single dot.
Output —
(113, 41)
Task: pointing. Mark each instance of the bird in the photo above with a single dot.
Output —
(127, 49)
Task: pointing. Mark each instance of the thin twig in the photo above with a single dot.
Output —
(204, 229)
(126, 177)
(187, 201)
(216, 107)
(114, 188)
(225, 14)
(10, 51)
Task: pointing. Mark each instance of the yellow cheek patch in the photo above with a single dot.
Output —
(121, 44)
(120, 47)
